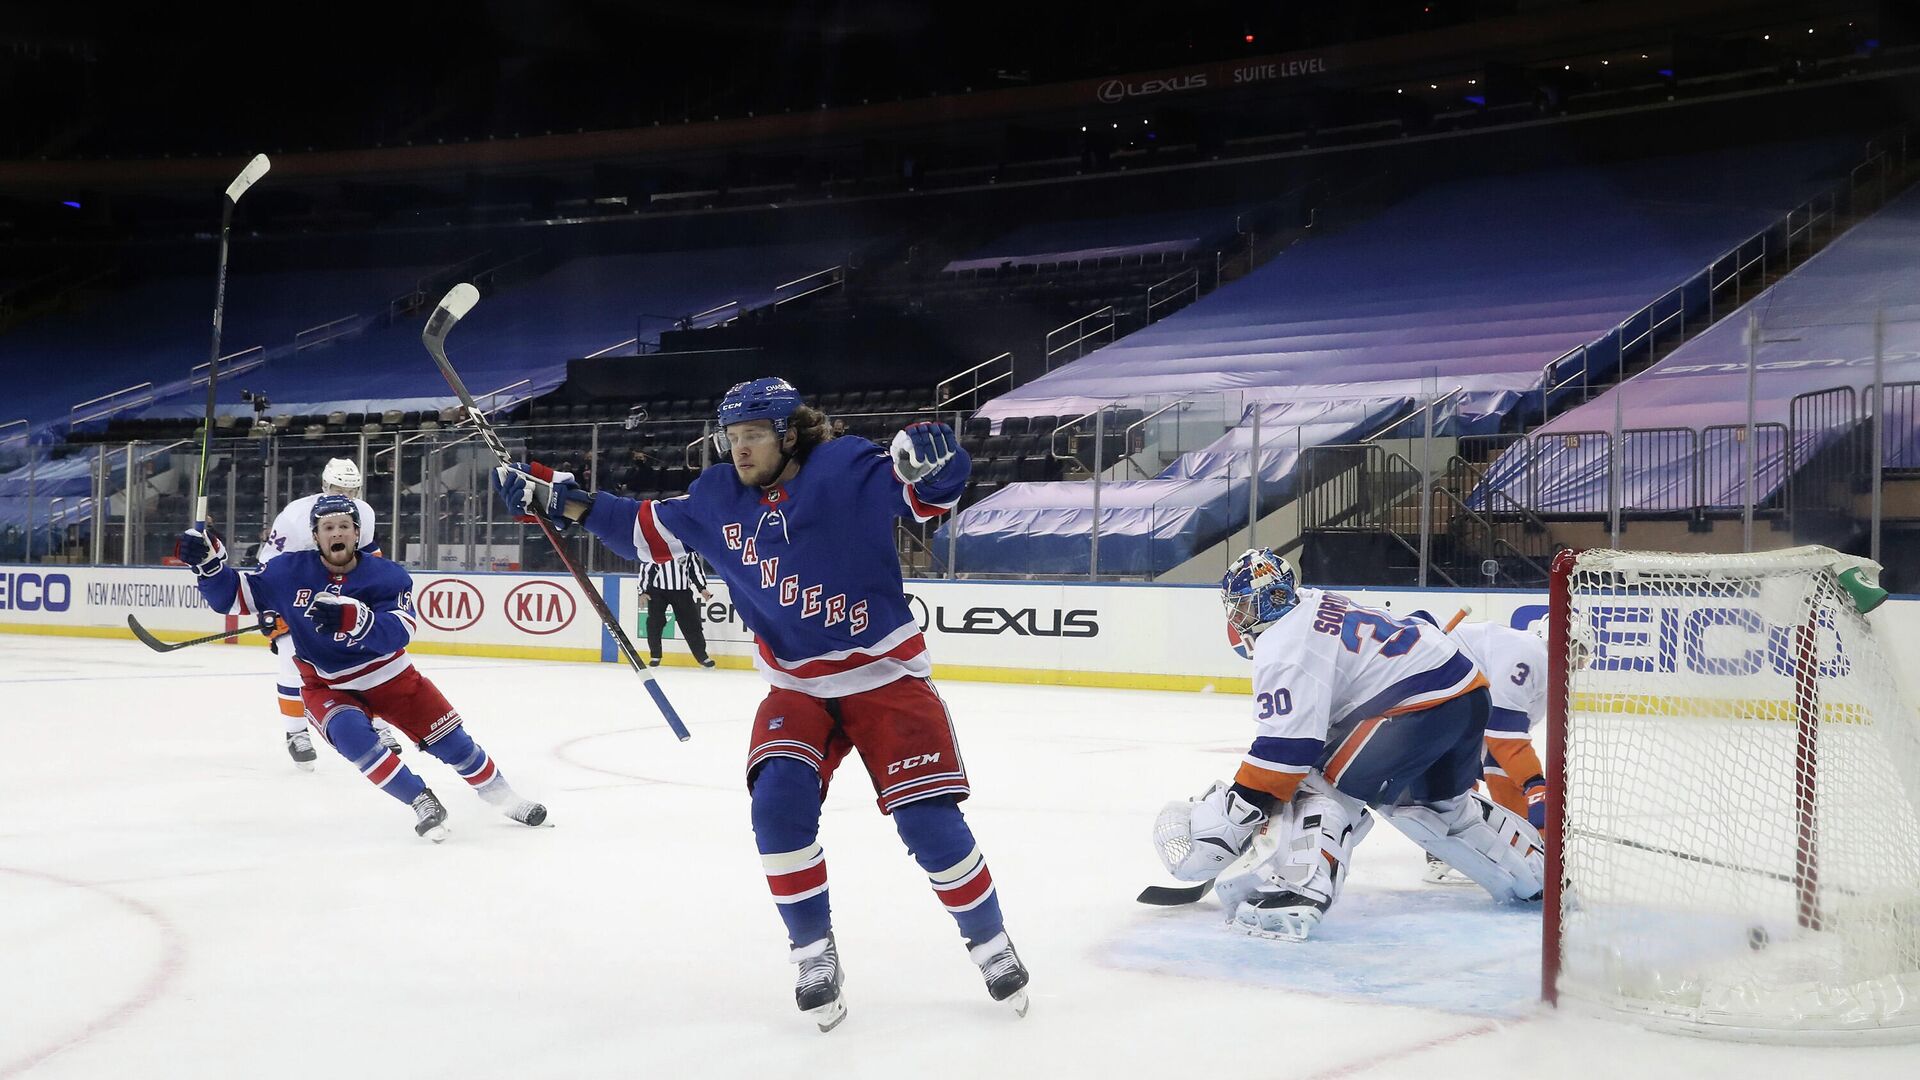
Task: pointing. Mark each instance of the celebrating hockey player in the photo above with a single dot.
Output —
(801, 528)
(1515, 663)
(351, 616)
(1353, 709)
(291, 532)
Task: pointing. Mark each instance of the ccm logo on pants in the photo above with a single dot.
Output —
(912, 762)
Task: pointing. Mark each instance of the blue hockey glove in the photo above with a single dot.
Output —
(203, 551)
(534, 491)
(923, 451)
(340, 615)
(1536, 790)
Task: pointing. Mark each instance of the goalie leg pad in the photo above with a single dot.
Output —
(1285, 896)
(1498, 849)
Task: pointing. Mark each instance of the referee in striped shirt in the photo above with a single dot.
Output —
(672, 584)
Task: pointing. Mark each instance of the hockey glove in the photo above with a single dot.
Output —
(534, 491)
(1220, 825)
(1537, 802)
(344, 617)
(203, 551)
(924, 451)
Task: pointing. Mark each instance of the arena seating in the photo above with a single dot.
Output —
(1475, 286)
(1687, 411)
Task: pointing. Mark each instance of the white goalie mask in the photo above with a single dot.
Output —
(341, 477)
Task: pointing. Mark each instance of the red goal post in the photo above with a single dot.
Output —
(1733, 818)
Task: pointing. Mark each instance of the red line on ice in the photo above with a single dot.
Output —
(171, 960)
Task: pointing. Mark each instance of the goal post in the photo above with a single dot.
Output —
(1733, 818)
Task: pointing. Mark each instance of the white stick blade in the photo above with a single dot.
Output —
(458, 301)
(248, 177)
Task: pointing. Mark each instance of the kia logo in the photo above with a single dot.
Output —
(449, 604)
(1112, 91)
(540, 607)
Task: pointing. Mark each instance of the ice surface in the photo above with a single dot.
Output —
(177, 901)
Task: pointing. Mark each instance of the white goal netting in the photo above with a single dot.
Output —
(1741, 848)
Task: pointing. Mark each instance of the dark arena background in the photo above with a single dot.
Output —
(1420, 296)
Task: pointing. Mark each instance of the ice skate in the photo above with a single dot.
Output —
(300, 749)
(817, 986)
(1439, 873)
(1284, 915)
(432, 822)
(1000, 966)
(499, 794)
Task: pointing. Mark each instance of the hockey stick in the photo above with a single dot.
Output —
(1455, 621)
(146, 636)
(455, 305)
(254, 170)
(1173, 895)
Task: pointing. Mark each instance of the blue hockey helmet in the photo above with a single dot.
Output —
(1257, 590)
(328, 505)
(761, 399)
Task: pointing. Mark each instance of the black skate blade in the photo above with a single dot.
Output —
(1173, 896)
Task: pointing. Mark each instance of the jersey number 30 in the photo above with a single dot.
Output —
(1278, 703)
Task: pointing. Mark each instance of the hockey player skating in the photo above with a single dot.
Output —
(351, 615)
(1515, 663)
(292, 532)
(801, 529)
(1353, 710)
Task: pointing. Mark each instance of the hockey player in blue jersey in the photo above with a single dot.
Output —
(801, 529)
(351, 616)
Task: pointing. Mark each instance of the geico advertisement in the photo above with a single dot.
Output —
(89, 596)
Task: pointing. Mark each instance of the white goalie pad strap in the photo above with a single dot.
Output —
(1307, 847)
(1496, 848)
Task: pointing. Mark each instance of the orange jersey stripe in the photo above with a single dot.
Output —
(1350, 747)
(1278, 784)
(1479, 683)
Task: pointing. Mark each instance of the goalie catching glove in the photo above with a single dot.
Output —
(535, 492)
(1200, 837)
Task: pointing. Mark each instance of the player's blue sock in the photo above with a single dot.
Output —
(458, 749)
(937, 834)
(351, 733)
(786, 823)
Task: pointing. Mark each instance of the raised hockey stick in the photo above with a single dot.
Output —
(254, 170)
(146, 636)
(1173, 895)
(454, 306)
(1455, 621)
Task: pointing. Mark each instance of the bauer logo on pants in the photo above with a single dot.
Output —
(449, 604)
(540, 607)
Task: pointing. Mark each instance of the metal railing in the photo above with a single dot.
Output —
(949, 392)
(231, 364)
(332, 330)
(1103, 325)
(1126, 435)
(835, 276)
(110, 404)
(1184, 285)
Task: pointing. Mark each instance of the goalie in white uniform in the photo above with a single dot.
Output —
(1515, 663)
(1353, 710)
(293, 531)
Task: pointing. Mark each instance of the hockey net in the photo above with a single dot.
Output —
(1733, 838)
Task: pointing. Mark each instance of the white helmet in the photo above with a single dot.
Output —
(340, 477)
